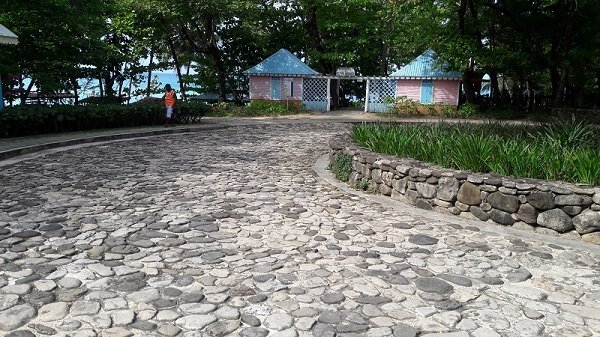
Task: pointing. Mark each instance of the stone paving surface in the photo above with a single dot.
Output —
(230, 233)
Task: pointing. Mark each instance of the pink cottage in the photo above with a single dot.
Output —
(424, 81)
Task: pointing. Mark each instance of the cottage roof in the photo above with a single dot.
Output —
(426, 66)
(281, 63)
(7, 37)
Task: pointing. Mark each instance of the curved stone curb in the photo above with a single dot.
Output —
(101, 138)
(321, 171)
(546, 207)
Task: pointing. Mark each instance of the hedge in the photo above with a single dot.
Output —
(27, 120)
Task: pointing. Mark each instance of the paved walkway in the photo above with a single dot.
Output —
(234, 232)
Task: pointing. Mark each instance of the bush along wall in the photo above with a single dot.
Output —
(38, 119)
(548, 207)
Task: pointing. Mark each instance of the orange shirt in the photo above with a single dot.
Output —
(170, 98)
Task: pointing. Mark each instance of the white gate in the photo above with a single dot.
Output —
(314, 94)
(382, 93)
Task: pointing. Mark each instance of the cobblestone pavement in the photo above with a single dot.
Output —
(230, 233)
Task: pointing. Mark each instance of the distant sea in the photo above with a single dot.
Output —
(160, 78)
(89, 88)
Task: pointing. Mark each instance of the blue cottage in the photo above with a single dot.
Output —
(279, 77)
(427, 81)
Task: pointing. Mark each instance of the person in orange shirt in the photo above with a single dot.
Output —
(170, 99)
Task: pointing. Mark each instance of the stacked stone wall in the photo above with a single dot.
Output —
(548, 207)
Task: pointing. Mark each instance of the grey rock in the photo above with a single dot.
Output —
(143, 325)
(448, 305)
(501, 217)
(456, 279)
(479, 213)
(532, 314)
(169, 330)
(492, 281)
(53, 311)
(323, 330)
(16, 316)
(423, 240)
(447, 189)
(423, 204)
(426, 190)
(8, 301)
(572, 210)
(330, 317)
(116, 332)
(556, 219)
(433, 285)
(344, 328)
(573, 200)
(279, 321)
(253, 332)
(69, 325)
(42, 329)
(144, 296)
(469, 194)
(519, 275)
(222, 328)
(404, 330)
(305, 323)
(528, 214)
(333, 298)
(541, 200)
(195, 322)
(366, 299)
(20, 333)
(257, 298)
(250, 320)
(503, 202)
(587, 222)
(82, 307)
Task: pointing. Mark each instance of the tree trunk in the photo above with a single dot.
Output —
(178, 69)
(470, 95)
(75, 91)
(494, 87)
(25, 93)
(559, 87)
(101, 86)
(149, 86)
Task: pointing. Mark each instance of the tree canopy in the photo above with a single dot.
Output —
(542, 52)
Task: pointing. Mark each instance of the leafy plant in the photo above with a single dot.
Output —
(362, 184)
(37, 119)
(468, 110)
(558, 152)
(341, 166)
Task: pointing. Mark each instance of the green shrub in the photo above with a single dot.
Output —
(26, 120)
(566, 151)
(362, 184)
(341, 166)
(402, 106)
(256, 108)
(468, 110)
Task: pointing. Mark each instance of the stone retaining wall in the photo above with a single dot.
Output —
(548, 207)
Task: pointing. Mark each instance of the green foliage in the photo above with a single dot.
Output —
(402, 106)
(559, 151)
(38, 119)
(255, 109)
(468, 110)
(341, 166)
(362, 184)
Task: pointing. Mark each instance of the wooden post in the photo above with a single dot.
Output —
(367, 96)
(328, 94)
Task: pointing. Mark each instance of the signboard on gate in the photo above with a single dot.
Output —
(287, 87)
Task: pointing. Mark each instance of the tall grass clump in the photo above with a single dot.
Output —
(561, 150)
